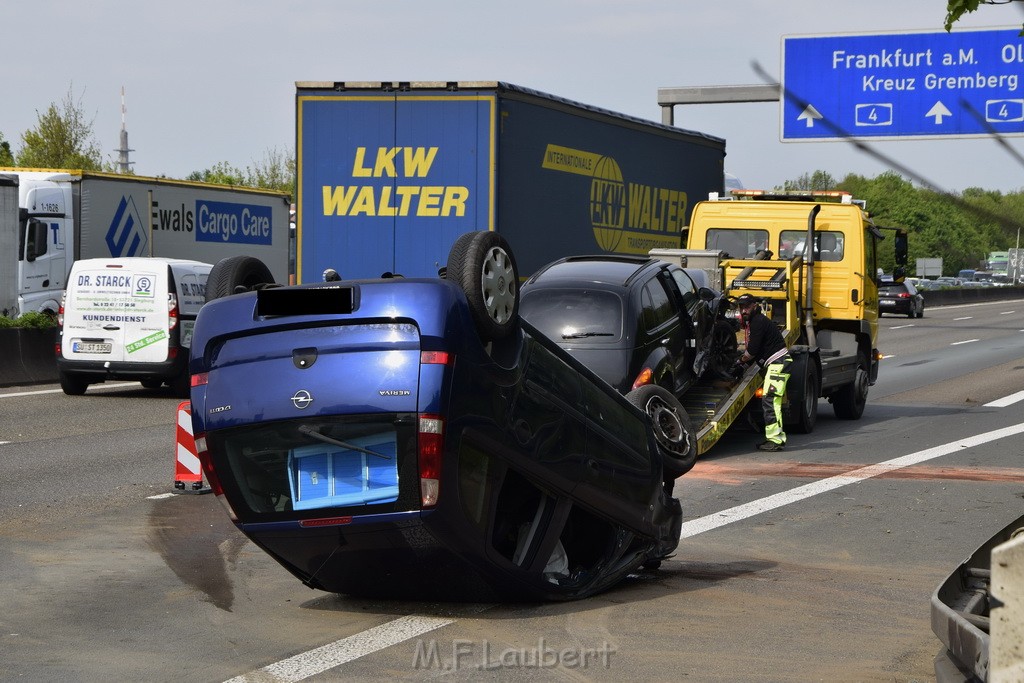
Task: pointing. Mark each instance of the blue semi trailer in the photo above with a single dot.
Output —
(391, 174)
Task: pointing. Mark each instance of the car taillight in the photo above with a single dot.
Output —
(646, 376)
(903, 295)
(211, 476)
(172, 311)
(429, 449)
(200, 379)
(60, 310)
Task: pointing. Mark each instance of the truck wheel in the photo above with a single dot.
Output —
(234, 274)
(803, 388)
(73, 385)
(849, 401)
(677, 442)
(482, 265)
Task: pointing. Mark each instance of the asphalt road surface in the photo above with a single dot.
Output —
(815, 563)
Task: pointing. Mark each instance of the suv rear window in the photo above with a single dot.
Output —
(351, 465)
(559, 314)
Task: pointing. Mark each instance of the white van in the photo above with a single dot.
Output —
(129, 319)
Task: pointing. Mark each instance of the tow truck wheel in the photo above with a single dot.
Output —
(482, 265)
(803, 389)
(849, 401)
(236, 273)
(673, 432)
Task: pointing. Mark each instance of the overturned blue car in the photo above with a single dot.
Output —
(415, 438)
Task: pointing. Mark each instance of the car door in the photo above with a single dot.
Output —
(666, 339)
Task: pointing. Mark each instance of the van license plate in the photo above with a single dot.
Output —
(91, 347)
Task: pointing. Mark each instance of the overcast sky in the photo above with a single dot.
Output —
(215, 80)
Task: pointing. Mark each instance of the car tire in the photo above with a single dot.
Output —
(849, 401)
(483, 266)
(803, 389)
(73, 385)
(920, 311)
(236, 274)
(673, 432)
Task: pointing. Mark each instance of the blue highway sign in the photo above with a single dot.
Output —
(903, 85)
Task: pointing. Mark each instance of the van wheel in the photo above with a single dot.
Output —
(151, 383)
(677, 442)
(236, 274)
(849, 401)
(73, 385)
(803, 389)
(482, 265)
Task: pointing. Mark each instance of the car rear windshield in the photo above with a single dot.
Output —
(565, 314)
(892, 290)
(302, 468)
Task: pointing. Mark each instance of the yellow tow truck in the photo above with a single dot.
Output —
(824, 299)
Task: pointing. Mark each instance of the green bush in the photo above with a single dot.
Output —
(34, 320)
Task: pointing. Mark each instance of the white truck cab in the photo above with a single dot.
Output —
(130, 319)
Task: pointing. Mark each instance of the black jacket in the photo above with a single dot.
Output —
(764, 339)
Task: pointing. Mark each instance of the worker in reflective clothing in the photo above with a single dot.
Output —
(766, 347)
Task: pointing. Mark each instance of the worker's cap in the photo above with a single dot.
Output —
(745, 300)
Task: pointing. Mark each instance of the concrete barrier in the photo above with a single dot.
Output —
(27, 356)
(969, 295)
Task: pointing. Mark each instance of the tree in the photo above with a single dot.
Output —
(221, 173)
(275, 171)
(818, 180)
(957, 8)
(6, 158)
(62, 138)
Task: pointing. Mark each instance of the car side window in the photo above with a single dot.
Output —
(686, 287)
(657, 307)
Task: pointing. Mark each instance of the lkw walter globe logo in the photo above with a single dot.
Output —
(607, 203)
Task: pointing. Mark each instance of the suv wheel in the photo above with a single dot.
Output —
(482, 265)
(234, 274)
(677, 442)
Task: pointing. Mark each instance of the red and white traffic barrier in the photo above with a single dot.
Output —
(187, 468)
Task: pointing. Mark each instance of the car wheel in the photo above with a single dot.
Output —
(911, 311)
(73, 385)
(236, 274)
(677, 442)
(849, 401)
(803, 389)
(482, 265)
(920, 311)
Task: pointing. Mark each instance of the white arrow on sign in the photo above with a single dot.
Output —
(809, 115)
(938, 112)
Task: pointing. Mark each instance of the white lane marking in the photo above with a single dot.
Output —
(966, 341)
(968, 317)
(92, 387)
(756, 507)
(900, 327)
(1006, 400)
(891, 355)
(160, 496)
(1007, 312)
(339, 652)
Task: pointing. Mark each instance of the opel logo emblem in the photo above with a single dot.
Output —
(302, 399)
